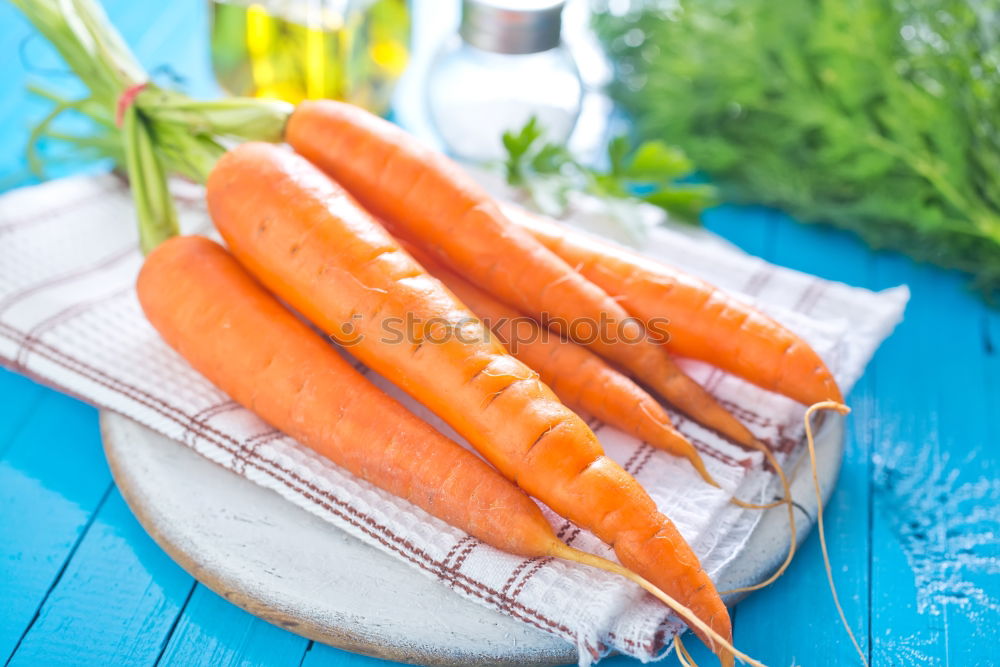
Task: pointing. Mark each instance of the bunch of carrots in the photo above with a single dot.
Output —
(357, 225)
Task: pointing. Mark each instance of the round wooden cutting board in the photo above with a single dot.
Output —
(281, 563)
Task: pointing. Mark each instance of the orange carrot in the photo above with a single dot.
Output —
(430, 200)
(312, 245)
(231, 330)
(580, 379)
(209, 309)
(705, 322)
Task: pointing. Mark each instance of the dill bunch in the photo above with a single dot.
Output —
(877, 116)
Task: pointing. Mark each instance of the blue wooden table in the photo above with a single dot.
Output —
(913, 525)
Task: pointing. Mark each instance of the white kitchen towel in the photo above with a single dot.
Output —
(69, 317)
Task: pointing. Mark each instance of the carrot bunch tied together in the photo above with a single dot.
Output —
(303, 380)
(309, 242)
(360, 226)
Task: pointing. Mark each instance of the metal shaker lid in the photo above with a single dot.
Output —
(512, 26)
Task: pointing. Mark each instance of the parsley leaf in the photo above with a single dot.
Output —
(548, 173)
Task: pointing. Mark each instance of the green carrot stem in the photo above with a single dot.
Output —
(154, 207)
(162, 131)
(238, 117)
(184, 153)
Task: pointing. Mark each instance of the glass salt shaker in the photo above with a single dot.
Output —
(506, 64)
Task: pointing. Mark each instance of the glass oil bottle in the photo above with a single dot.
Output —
(351, 50)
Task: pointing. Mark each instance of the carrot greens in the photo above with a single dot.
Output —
(150, 131)
(878, 116)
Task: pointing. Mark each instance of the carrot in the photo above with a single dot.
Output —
(581, 379)
(438, 206)
(705, 322)
(236, 334)
(312, 245)
(209, 309)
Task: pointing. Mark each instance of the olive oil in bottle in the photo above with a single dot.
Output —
(351, 50)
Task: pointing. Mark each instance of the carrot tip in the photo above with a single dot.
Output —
(721, 646)
(699, 465)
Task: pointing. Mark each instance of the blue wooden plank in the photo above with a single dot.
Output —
(320, 655)
(968, 529)
(821, 250)
(15, 106)
(52, 479)
(212, 631)
(749, 227)
(935, 574)
(116, 603)
(991, 366)
(20, 398)
(175, 39)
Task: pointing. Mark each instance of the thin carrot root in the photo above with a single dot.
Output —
(840, 408)
(692, 454)
(699, 466)
(757, 506)
(728, 652)
(807, 419)
(683, 656)
(787, 500)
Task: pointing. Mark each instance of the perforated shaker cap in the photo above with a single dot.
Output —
(512, 26)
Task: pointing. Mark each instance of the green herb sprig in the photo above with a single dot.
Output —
(549, 173)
